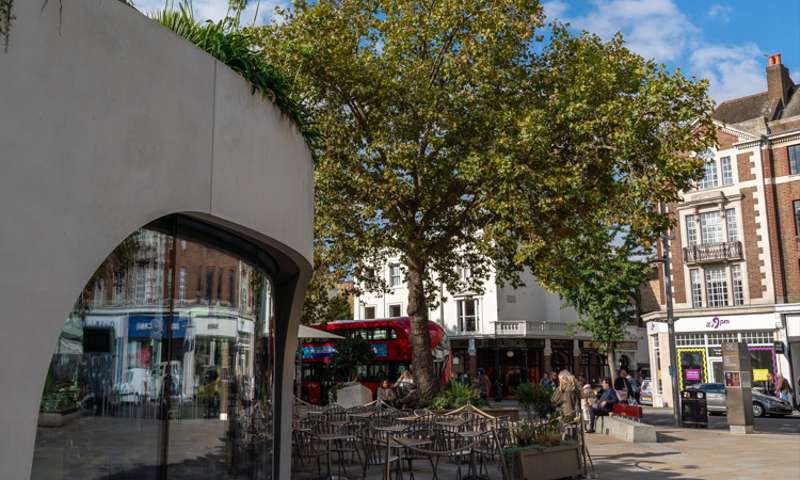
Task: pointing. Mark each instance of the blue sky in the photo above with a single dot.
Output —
(726, 42)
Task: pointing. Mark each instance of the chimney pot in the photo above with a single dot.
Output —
(775, 59)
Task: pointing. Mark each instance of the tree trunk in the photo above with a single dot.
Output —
(612, 361)
(422, 358)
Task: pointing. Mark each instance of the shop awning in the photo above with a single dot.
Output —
(308, 332)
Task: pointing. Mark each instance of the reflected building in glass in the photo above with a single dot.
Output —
(165, 365)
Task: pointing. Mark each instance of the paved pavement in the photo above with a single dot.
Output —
(788, 425)
(699, 454)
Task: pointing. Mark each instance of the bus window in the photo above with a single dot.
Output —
(392, 333)
(379, 334)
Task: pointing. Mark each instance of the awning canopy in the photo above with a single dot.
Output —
(308, 332)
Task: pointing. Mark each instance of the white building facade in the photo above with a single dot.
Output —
(514, 334)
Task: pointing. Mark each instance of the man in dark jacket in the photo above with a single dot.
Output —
(604, 404)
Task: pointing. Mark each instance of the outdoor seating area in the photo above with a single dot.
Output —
(377, 440)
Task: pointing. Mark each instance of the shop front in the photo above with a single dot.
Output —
(698, 342)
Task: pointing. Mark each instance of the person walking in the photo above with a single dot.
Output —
(622, 386)
(603, 405)
(633, 388)
(547, 382)
(782, 389)
(566, 397)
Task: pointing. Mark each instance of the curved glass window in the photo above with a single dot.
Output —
(164, 368)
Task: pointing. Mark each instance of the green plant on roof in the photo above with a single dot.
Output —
(234, 46)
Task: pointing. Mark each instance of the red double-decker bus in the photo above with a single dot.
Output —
(389, 339)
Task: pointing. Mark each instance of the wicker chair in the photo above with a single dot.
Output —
(304, 448)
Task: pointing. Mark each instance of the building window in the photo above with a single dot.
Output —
(119, 288)
(757, 337)
(710, 228)
(727, 171)
(395, 310)
(99, 292)
(794, 160)
(691, 231)
(182, 284)
(395, 275)
(464, 273)
(467, 315)
(709, 179)
(730, 221)
(697, 288)
(716, 287)
(797, 217)
(369, 313)
(736, 285)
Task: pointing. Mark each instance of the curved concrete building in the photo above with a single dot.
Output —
(155, 249)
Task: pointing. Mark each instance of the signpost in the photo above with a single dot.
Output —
(738, 382)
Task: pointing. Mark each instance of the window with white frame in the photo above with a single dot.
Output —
(737, 286)
(710, 228)
(99, 292)
(727, 170)
(716, 287)
(757, 337)
(657, 355)
(395, 275)
(697, 288)
(395, 310)
(468, 314)
(710, 179)
(691, 231)
(369, 313)
(730, 222)
(690, 340)
(182, 284)
(794, 159)
(718, 338)
(464, 273)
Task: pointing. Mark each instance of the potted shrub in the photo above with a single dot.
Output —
(534, 398)
(59, 405)
(540, 453)
(455, 395)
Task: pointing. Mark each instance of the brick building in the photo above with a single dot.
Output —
(735, 248)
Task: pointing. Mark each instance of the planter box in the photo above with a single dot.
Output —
(58, 419)
(549, 463)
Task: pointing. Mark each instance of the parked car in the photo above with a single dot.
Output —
(716, 401)
(134, 388)
(646, 392)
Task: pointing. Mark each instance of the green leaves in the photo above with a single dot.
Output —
(237, 48)
(351, 352)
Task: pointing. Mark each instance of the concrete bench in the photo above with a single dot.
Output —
(626, 430)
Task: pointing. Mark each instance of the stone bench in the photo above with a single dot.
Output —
(626, 430)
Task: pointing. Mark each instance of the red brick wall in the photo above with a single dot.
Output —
(785, 246)
(744, 166)
(750, 226)
(676, 259)
(725, 140)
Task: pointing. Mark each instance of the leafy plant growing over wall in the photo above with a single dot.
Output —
(6, 18)
(226, 41)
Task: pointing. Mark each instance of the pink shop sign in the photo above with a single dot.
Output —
(717, 322)
(692, 374)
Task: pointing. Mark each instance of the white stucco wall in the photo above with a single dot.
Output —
(108, 122)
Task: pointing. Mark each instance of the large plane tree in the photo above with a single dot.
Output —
(455, 133)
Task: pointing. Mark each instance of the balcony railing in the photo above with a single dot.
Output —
(712, 253)
(530, 328)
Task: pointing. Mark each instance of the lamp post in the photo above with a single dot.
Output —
(673, 354)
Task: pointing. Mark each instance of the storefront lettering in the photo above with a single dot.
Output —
(716, 322)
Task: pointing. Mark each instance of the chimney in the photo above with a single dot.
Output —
(779, 84)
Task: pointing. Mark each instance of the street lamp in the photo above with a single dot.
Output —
(673, 354)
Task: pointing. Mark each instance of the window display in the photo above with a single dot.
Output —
(162, 377)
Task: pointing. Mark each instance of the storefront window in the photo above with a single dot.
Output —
(148, 383)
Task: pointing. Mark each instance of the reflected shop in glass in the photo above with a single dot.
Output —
(164, 368)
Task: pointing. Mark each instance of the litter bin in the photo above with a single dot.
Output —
(694, 408)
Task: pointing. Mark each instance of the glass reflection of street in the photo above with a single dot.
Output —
(164, 367)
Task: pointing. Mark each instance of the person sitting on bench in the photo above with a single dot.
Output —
(604, 404)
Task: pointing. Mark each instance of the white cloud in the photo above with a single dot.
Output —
(262, 11)
(652, 28)
(555, 9)
(720, 12)
(733, 71)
